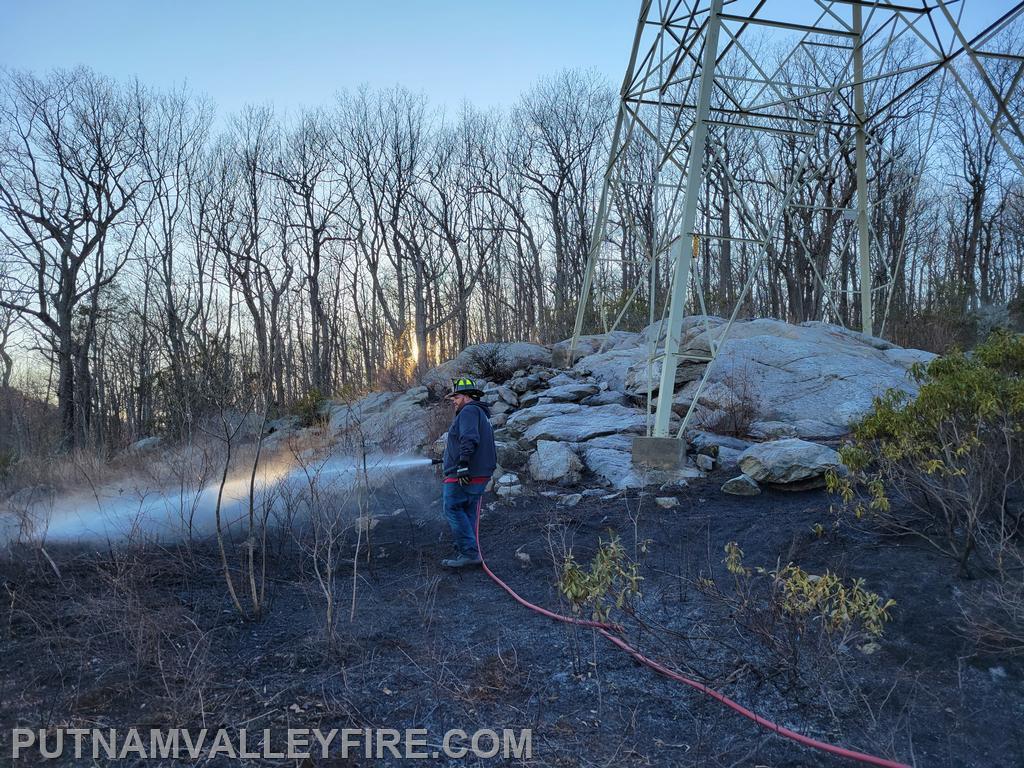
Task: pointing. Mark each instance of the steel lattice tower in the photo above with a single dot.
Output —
(697, 79)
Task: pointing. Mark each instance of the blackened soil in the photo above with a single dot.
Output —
(148, 637)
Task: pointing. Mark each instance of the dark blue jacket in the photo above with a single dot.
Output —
(471, 440)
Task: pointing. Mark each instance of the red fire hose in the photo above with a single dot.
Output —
(606, 630)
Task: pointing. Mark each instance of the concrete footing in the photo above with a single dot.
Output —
(666, 453)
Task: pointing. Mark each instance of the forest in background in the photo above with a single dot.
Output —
(157, 263)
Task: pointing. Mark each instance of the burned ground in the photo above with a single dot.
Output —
(147, 637)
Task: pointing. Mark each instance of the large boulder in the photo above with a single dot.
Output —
(555, 462)
(693, 326)
(145, 444)
(493, 361)
(788, 461)
(810, 380)
(381, 421)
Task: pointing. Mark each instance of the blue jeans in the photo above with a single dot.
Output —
(460, 506)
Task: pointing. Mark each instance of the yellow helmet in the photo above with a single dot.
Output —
(465, 386)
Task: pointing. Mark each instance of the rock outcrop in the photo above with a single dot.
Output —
(773, 389)
(807, 380)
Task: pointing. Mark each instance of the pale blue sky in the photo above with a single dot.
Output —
(294, 53)
(299, 52)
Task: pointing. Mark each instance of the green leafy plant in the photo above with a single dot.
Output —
(951, 457)
(839, 607)
(611, 581)
(843, 610)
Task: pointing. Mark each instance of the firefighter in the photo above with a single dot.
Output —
(470, 458)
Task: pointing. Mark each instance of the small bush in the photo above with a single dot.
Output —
(786, 606)
(611, 581)
(736, 413)
(488, 361)
(952, 457)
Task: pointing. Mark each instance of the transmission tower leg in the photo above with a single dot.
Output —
(601, 220)
(863, 226)
(682, 255)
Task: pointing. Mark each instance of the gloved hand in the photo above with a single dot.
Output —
(462, 473)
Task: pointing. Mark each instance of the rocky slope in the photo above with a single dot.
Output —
(775, 392)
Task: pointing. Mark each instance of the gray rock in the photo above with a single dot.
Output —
(145, 444)
(530, 399)
(741, 486)
(815, 377)
(521, 384)
(667, 502)
(387, 421)
(508, 396)
(637, 376)
(607, 397)
(772, 430)
(508, 485)
(709, 443)
(611, 365)
(693, 326)
(615, 442)
(585, 423)
(561, 379)
(555, 462)
(418, 395)
(704, 462)
(614, 467)
(519, 421)
(617, 469)
(509, 455)
(499, 420)
(729, 457)
(589, 345)
(508, 491)
(570, 499)
(787, 461)
(570, 393)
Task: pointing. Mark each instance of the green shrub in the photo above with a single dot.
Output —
(792, 612)
(308, 407)
(948, 464)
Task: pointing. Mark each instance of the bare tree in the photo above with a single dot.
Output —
(70, 172)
